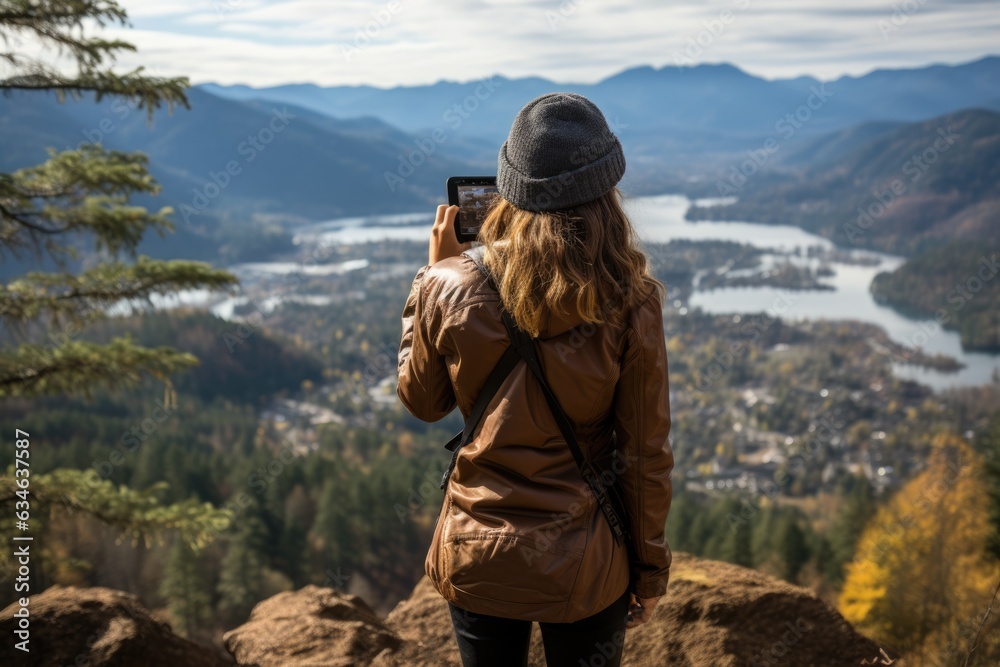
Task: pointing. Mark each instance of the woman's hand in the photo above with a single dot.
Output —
(640, 610)
(444, 243)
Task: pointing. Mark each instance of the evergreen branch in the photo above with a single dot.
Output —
(84, 189)
(105, 286)
(137, 514)
(21, 219)
(76, 367)
(61, 24)
(61, 12)
(147, 91)
(56, 22)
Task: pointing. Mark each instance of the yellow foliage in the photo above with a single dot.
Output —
(921, 572)
(406, 443)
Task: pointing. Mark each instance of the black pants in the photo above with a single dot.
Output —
(491, 641)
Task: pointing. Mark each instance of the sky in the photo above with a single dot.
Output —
(414, 42)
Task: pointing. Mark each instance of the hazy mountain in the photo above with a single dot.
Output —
(688, 110)
(305, 152)
(831, 147)
(229, 157)
(903, 189)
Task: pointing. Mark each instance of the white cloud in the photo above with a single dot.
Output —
(354, 42)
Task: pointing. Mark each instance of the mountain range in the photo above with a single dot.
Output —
(695, 106)
(252, 156)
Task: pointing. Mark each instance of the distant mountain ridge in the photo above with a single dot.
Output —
(362, 150)
(286, 159)
(897, 94)
(689, 110)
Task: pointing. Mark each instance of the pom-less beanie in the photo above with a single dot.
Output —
(560, 153)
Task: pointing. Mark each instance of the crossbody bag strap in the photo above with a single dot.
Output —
(497, 376)
(525, 346)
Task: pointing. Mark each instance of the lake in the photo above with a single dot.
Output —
(660, 219)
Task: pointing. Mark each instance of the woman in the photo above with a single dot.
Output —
(520, 537)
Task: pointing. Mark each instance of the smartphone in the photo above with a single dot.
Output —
(474, 196)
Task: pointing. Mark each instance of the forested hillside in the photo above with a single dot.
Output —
(295, 430)
(901, 191)
(956, 284)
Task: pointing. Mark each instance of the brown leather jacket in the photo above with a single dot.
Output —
(519, 534)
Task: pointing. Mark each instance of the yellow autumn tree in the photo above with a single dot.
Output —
(921, 578)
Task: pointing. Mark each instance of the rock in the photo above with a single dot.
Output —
(729, 616)
(97, 627)
(713, 614)
(423, 622)
(313, 626)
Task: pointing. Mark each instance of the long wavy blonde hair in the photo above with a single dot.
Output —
(586, 256)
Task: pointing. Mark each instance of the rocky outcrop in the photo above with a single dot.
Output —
(729, 616)
(714, 615)
(97, 626)
(312, 626)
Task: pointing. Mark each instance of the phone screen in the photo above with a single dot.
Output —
(474, 203)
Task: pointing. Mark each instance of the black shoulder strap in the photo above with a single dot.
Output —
(525, 346)
(492, 385)
(497, 376)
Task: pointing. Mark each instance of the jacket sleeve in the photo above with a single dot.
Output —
(424, 384)
(642, 424)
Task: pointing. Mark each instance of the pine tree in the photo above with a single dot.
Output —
(988, 443)
(51, 211)
(793, 547)
(334, 527)
(140, 516)
(732, 532)
(241, 582)
(61, 24)
(738, 547)
(83, 193)
(186, 589)
(847, 527)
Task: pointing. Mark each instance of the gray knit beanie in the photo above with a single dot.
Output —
(560, 153)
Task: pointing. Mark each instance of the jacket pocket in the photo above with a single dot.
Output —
(433, 560)
(510, 567)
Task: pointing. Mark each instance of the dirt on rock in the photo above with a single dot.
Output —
(713, 615)
(97, 626)
(729, 616)
(310, 627)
